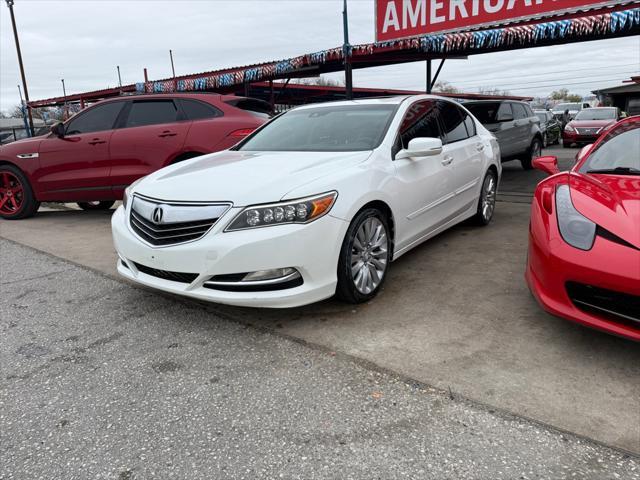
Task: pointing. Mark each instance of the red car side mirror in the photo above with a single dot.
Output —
(548, 164)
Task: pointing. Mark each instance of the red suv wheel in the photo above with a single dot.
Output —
(16, 196)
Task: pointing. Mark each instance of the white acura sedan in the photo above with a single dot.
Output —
(317, 202)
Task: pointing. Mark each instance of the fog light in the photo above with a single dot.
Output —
(272, 274)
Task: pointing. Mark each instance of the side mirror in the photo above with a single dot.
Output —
(421, 147)
(58, 129)
(548, 165)
(583, 152)
(505, 118)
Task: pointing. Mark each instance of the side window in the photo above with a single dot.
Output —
(469, 123)
(505, 113)
(421, 120)
(95, 119)
(196, 110)
(452, 122)
(152, 112)
(528, 110)
(519, 111)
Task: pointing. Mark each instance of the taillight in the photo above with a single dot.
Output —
(243, 132)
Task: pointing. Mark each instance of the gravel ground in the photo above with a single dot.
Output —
(101, 380)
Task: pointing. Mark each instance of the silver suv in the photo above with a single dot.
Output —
(515, 126)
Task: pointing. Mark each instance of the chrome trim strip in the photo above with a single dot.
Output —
(28, 155)
(204, 225)
(272, 281)
(178, 213)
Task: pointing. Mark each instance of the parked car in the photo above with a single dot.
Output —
(317, 202)
(589, 124)
(96, 154)
(573, 109)
(584, 239)
(550, 127)
(515, 126)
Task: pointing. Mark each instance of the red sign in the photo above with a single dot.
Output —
(408, 18)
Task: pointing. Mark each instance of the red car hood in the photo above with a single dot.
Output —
(611, 201)
(591, 123)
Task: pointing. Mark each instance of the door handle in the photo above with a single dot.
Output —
(447, 160)
(167, 133)
(97, 141)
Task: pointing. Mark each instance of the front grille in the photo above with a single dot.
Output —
(163, 224)
(588, 131)
(617, 306)
(165, 275)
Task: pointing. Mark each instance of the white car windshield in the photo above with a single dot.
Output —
(340, 128)
(597, 114)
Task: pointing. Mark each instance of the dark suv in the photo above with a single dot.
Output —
(515, 126)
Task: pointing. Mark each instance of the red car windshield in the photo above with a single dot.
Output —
(618, 153)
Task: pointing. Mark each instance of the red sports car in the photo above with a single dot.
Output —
(97, 153)
(584, 238)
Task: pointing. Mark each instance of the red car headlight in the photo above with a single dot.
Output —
(577, 230)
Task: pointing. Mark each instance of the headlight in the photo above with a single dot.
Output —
(569, 128)
(577, 230)
(128, 191)
(304, 210)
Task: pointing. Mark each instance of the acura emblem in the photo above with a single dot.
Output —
(157, 215)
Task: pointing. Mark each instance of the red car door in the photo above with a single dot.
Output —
(150, 136)
(76, 166)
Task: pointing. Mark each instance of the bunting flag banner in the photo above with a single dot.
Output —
(460, 43)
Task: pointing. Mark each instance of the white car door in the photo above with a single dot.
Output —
(424, 188)
(465, 150)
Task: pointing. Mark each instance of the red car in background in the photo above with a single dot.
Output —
(96, 154)
(588, 124)
(584, 239)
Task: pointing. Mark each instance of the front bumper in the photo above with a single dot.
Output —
(553, 266)
(570, 138)
(312, 249)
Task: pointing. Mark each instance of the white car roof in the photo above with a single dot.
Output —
(395, 100)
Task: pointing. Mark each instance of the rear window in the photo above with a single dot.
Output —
(257, 108)
(197, 110)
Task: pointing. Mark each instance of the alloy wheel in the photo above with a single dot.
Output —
(536, 149)
(369, 255)
(488, 197)
(11, 193)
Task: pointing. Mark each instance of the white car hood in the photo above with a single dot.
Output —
(244, 178)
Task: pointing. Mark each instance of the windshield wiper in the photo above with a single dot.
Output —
(617, 171)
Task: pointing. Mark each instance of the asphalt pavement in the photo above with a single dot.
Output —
(102, 380)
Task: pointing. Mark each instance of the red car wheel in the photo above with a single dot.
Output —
(16, 196)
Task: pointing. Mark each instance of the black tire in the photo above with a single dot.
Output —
(95, 206)
(566, 145)
(346, 289)
(484, 213)
(535, 150)
(23, 203)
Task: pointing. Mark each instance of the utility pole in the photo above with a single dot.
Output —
(24, 79)
(64, 93)
(429, 77)
(23, 109)
(173, 70)
(119, 78)
(346, 48)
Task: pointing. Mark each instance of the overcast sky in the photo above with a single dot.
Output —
(82, 41)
